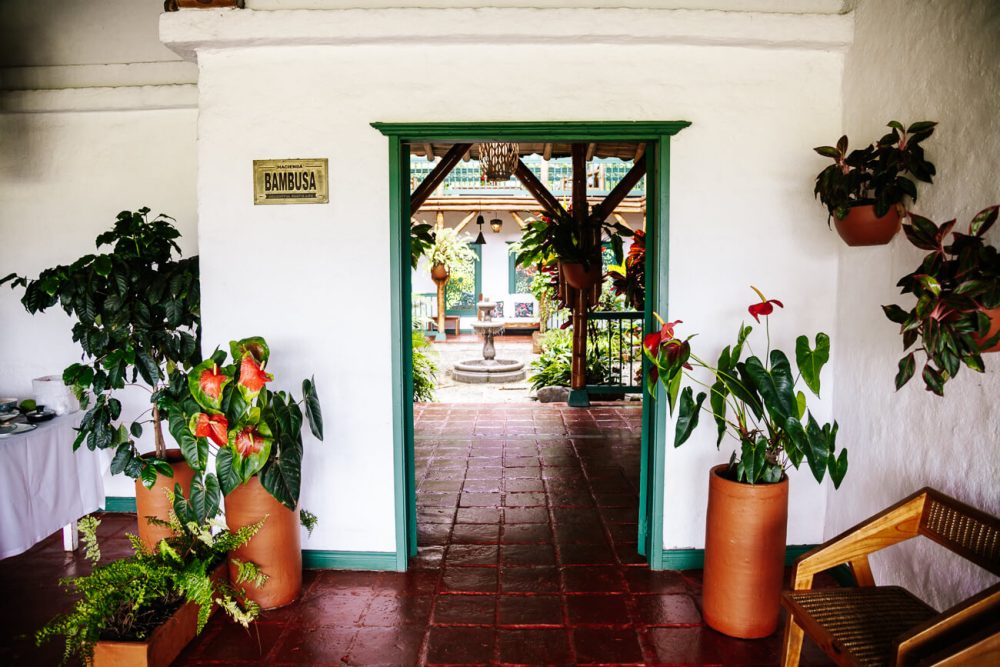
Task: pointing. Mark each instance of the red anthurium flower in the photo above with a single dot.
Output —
(252, 375)
(675, 349)
(651, 342)
(213, 427)
(764, 308)
(249, 441)
(211, 381)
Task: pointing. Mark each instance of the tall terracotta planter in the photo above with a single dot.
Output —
(994, 315)
(275, 548)
(861, 227)
(744, 555)
(580, 277)
(156, 503)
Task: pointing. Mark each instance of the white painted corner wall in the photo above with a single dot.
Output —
(936, 61)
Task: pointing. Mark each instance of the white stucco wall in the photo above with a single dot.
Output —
(742, 209)
(63, 179)
(936, 61)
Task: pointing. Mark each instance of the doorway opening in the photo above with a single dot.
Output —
(484, 476)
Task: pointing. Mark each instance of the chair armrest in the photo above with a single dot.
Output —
(891, 526)
(958, 629)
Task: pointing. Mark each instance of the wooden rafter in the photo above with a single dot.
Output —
(429, 152)
(622, 221)
(547, 152)
(591, 147)
(640, 150)
(465, 221)
(620, 191)
(437, 176)
(537, 190)
(518, 219)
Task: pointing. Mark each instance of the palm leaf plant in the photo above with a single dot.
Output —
(953, 285)
(253, 430)
(137, 310)
(751, 399)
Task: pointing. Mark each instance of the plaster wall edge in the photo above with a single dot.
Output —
(126, 98)
(187, 32)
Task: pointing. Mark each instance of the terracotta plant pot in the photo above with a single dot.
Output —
(994, 315)
(439, 274)
(160, 649)
(861, 227)
(275, 548)
(579, 277)
(744, 555)
(155, 502)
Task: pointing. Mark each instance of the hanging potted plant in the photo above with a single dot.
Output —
(864, 189)
(143, 610)
(957, 313)
(137, 311)
(575, 247)
(753, 400)
(448, 251)
(257, 437)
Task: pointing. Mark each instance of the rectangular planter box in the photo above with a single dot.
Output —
(162, 647)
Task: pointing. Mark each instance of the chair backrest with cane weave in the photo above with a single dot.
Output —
(965, 530)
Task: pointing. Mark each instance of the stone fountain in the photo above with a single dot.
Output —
(489, 368)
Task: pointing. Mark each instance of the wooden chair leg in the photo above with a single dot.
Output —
(792, 649)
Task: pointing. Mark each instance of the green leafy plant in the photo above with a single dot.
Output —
(751, 399)
(424, 369)
(421, 240)
(629, 277)
(127, 599)
(137, 312)
(881, 174)
(254, 431)
(553, 368)
(451, 249)
(952, 286)
(563, 239)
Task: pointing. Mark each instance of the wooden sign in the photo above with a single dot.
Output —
(293, 181)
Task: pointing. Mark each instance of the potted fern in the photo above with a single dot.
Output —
(137, 319)
(863, 190)
(753, 401)
(448, 251)
(143, 610)
(956, 316)
(256, 434)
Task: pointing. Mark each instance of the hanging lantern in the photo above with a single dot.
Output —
(497, 160)
(480, 240)
(496, 224)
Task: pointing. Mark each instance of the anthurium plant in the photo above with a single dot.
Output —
(629, 278)
(752, 399)
(881, 174)
(253, 430)
(137, 311)
(561, 238)
(953, 285)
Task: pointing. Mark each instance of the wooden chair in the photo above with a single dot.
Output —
(887, 625)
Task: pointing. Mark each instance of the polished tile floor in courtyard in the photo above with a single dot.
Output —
(528, 556)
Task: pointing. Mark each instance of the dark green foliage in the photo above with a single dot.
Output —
(881, 174)
(137, 320)
(421, 240)
(562, 239)
(952, 285)
(126, 600)
(553, 368)
(424, 369)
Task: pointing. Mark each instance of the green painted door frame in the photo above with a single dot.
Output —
(656, 135)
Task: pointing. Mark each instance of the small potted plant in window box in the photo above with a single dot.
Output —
(957, 313)
(137, 311)
(753, 400)
(257, 436)
(864, 189)
(143, 610)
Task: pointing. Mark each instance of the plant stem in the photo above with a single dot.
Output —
(161, 447)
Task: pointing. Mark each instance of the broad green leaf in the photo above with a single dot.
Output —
(983, 221)
(282, 477)
(811, 361)
(717, 400)
(907, 365)
(687, 418)
(895, 314)
(148, 475)
(122, 457)
(800, 400)
(148, 368)
(136, 429)
(228, 480)
(205, 497)
(820, 446)
(798, 441)
(673, 389)
(838, 468)
(313, 412)
(256, 346)
(933, 380)
(776, 386)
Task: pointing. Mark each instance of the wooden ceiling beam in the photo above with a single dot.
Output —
(465, 221)
(591, 147)
(518, 219)
(547, 152)
(640, 150)
(537, 190)
(437, 176)
(620, 191)
(429, 151)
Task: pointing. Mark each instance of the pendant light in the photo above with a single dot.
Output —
(496, 224)
(480, 240)
(497, 160)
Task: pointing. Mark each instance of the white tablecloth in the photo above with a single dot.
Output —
(44, 484)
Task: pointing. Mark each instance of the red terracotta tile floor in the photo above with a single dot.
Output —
(527, 556)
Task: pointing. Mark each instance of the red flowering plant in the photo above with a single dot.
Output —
(751, 398)
(253, 430)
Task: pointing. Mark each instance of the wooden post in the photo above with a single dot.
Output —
(578, 385)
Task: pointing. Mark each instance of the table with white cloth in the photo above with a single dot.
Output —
(45, 485)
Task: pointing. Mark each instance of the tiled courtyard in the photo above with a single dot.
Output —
(528, 555)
